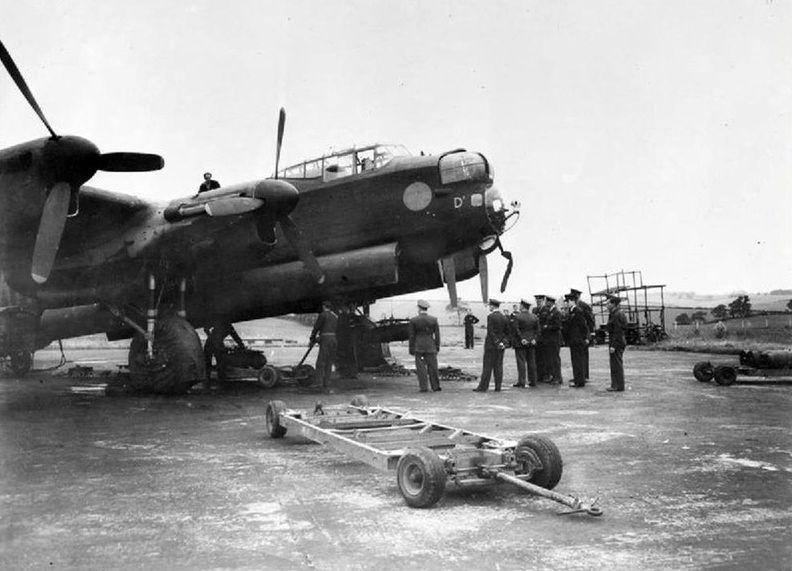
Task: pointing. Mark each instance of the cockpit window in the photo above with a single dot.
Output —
(354, 161)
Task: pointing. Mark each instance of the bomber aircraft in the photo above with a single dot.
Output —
(354, 225)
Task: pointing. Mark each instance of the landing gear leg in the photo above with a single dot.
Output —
(166, 357)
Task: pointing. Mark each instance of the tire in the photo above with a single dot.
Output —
(703, 371)
(360, 401)
(421, 477)
(274, 427)
(268, 377)
(544, 450)
(178, 361)
(725, 375)
(305, 375)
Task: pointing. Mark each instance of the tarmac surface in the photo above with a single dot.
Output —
(689, 475)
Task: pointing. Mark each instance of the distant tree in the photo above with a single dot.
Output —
(699, 316)
(740, 307)
(721, 311)
(683, 319)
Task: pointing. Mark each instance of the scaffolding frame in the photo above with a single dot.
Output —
(646, 321)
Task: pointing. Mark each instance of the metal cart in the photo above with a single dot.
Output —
(760, 367)
(427, 456)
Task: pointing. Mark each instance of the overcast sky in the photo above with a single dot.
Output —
(654, 136)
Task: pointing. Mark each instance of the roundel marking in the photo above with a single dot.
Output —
(417, 196)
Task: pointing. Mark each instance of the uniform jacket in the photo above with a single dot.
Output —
(470, 320)
(526, 326)
(497, 329)
(588, 314)
(551, 326)
(327, 322)
(210, 184)
(424, 334)
(617, 323)
(577, 330)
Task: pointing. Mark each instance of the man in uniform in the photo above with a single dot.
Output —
(215, 345)
(541, 368)
(470, 320)
(324, 333)
(526, 330)
(574, 295)
(577, 336)
(494, 346)
(424, 345)
(551, 339)
(617, 323)
(208, 183)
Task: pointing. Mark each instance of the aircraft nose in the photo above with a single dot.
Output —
(279, 197)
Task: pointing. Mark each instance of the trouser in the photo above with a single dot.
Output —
(493, 363)
(468, 338)
(577, 354)
(526, 364)
(552, 360)
(326, 358)
(426, 365)
(617, 368)
(541, 368)
(586, 361)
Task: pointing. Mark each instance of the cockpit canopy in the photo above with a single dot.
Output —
(345, 163)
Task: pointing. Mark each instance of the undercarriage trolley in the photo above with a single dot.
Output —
(427, 456)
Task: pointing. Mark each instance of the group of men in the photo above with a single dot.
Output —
(537, 336)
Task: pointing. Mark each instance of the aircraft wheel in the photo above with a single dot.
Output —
(532, 448)
(272, 419)
(17, 364)
(305, 375)
(725, 375)
(421, 477)
(268, 377)
(178, 361)
(703, 371)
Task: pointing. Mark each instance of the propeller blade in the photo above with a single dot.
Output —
(448, 266)
(281, 126)
(294, 236)
(129, 162)
(53, 220)
(16, 75)
(232, 206)
(483, 277)
(508, 256)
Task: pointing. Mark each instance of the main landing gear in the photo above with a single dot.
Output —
(166, 357)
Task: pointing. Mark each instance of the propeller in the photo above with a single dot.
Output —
(53, 220)
(483, 270)
(294, 236)
(290, 229)
(448, 267)
(281, 127)
(509, 265)
(69, 162)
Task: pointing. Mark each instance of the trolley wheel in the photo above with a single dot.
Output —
(703, 371)
(725, 375)
(421, 477)
(360, 401)
(272, 419)
(544, 450)
(268, 377)
(305, 375)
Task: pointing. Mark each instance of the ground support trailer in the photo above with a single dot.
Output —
(427, 456)
(245, 363)
(727, 374)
